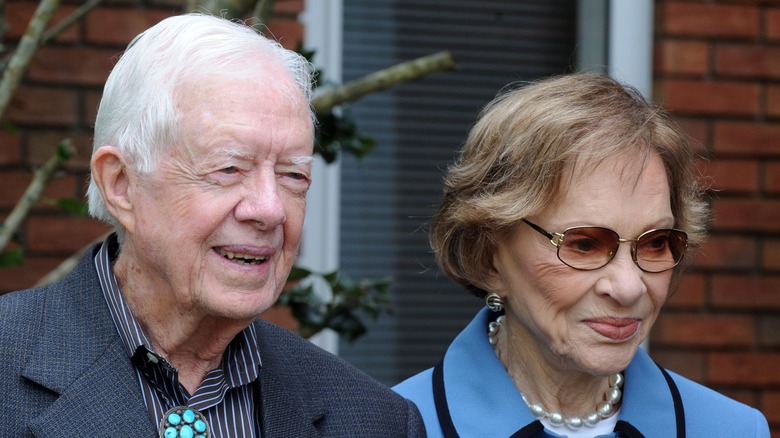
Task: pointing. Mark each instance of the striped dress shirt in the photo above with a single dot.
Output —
(226, 397)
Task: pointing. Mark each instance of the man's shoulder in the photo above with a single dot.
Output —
(283, 347)
(287, 355)
(350, 401)
(69, 291)
(20, 313)
(51, 312)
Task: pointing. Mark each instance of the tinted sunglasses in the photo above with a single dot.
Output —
(588, 248)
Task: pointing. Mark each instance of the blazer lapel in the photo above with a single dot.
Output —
(80, 358)
(104, 400)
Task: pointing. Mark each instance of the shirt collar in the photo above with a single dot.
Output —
(241, 361)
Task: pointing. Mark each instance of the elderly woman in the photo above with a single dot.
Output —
(570, 212)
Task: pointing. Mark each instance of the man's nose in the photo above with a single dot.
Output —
(261, 202)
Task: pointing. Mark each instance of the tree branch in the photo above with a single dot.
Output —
(263, 10)
(68, 264)
(383, 79)
(68, 21)
(222, 8)
(42, 176)
(58, 28)
(24, 52)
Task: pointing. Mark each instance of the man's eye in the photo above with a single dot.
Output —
(229, 170)
(296, 175)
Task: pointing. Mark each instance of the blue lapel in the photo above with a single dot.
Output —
(647, 399)
(483, 400)
(473, 373)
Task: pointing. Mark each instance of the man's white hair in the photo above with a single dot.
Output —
(137, 113)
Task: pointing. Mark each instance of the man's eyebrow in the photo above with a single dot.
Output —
(303, 159)
(237, 153)
(228, 153)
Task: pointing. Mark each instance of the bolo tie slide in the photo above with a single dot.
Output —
(184, 422)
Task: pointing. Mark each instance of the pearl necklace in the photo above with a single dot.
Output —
(604, 409)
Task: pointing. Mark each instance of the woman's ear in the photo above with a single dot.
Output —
(492, 281)
(110, 173)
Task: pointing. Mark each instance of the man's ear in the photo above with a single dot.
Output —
(110, 173)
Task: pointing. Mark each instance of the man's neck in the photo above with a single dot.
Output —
(192, 342)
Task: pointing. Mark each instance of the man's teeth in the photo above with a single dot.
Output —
(243, 258)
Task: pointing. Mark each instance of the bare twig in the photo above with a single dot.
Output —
(263, 10)
(68, 264)
(42, 176)
(68, 21)
(60, 27)
(222, 8)
(24, 52)
(383, 79)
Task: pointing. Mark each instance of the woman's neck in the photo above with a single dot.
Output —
(545, 379)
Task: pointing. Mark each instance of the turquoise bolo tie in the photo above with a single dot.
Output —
(184, 422)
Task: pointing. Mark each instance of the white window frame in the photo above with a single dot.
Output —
(616, 37)
(319, 252)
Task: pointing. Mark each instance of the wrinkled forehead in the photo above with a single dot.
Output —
(258, 70)
(626, 165)
(252, 96)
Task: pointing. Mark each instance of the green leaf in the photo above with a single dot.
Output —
(9, 126)
(63, 152)
(348, 326)
(351, 301)
(331, 277)
(309, 55)
(337, 134)
(12, 258)
(73, 206)
(298, 273)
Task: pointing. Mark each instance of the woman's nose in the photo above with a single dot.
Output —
(623, 279)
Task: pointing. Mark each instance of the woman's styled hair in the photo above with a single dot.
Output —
(515, 157)
(138, 112)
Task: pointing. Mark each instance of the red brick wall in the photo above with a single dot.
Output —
(59, 99)
(717, 67)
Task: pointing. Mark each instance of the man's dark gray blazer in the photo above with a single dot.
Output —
(64, 373)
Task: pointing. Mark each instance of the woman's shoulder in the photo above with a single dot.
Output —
(703, 404)
(418, 387)
(697, 394)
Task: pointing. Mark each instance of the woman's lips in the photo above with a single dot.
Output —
(617, 329)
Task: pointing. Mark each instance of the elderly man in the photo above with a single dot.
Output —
(201, 162)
